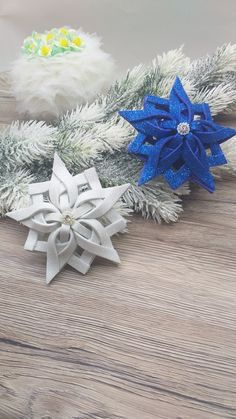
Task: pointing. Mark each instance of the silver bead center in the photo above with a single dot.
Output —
(67, 218)
(183, 128)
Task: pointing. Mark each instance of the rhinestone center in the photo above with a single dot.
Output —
(183, 128)
(67, 218)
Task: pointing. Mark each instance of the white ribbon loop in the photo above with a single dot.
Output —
(103, 247)
(58, 254)
(61, 177)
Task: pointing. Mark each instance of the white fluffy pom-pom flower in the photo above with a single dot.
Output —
(46, 87)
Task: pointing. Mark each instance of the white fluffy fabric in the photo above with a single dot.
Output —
(47, 87)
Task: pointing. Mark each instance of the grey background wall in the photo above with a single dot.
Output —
(132, 30)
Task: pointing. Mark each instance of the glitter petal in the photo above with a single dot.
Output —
(177, 139)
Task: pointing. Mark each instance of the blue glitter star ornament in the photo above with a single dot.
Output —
(177, 139)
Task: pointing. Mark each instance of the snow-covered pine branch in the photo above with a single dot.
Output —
(94, 134)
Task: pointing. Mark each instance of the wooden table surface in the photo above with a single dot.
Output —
(154, 338)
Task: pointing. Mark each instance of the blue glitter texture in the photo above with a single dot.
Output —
(177, 139)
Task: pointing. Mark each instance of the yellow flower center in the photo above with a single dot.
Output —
(49, 36)
(45, 50)
(64, 31)
(63, 43)
(77, 41)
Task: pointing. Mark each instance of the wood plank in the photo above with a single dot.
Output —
(154, 337)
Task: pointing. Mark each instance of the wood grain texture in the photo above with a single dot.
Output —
(152, 338)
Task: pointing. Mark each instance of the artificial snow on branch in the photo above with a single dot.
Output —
(94, 134)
